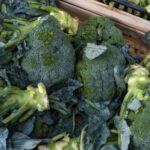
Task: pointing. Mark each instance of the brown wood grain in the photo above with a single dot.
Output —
(115, 14)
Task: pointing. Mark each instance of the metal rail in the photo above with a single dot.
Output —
(129, 7)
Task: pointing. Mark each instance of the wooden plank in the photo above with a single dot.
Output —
(117, 15)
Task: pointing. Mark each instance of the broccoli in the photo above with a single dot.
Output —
(51, 56)
(17, 33)
(26, 101)
(136, 104)
(97, 30)
(137, 114)
(97, 75)
(67, 22)
(64, 142)
(140, 128)
(138, 80)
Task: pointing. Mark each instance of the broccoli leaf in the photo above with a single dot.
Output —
(21, 141)
(27, 126)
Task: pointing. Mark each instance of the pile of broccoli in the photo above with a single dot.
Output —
(34, 51)
(49, 61)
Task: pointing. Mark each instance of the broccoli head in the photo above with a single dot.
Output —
(140, 128)
(97, 30)
(97, 72)
(97, 75)
(51, 56)
(26, 101)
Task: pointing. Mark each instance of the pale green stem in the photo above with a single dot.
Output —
(82, 138)
(42, 7)
(16, 115)
(27, 115)
(127, 98)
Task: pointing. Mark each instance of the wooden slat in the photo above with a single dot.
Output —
(117, 15)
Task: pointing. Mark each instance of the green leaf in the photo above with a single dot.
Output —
(21, 141)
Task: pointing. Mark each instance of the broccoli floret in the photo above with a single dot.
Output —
(97, 30)
(51, 56)
(140, 130)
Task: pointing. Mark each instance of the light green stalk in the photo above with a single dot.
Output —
(25, 101)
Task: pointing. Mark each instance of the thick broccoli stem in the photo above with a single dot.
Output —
(26, 102)
(7, 106)
(27, 115)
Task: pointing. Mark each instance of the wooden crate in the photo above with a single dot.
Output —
(133, 27)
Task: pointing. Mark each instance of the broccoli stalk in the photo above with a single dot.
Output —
(26, 101)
